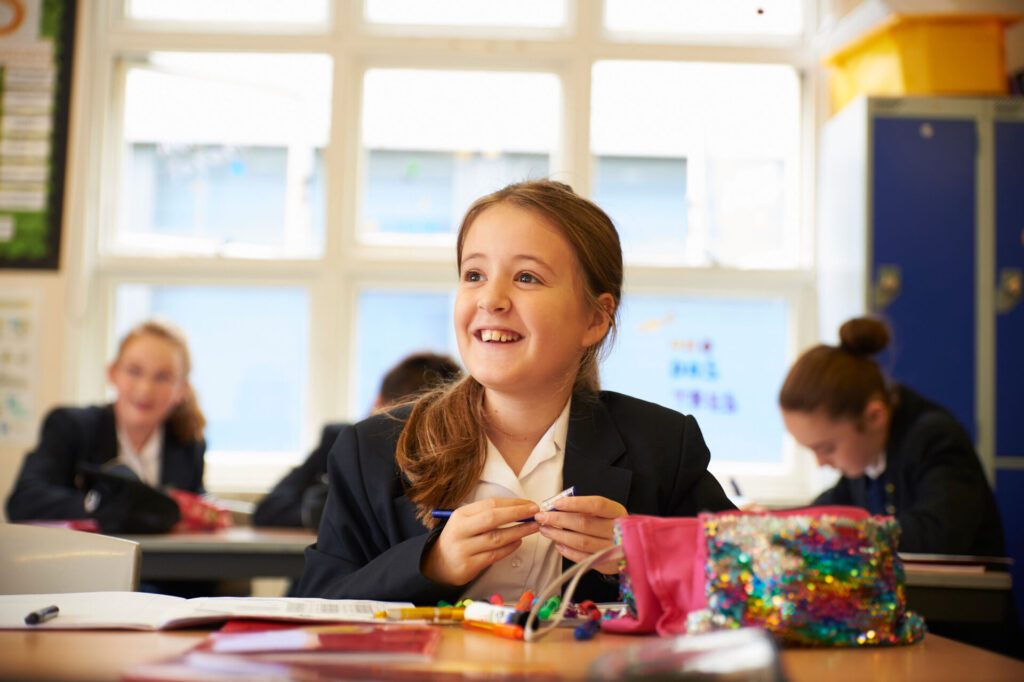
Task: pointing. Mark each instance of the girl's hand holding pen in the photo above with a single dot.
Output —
(582, 526)
(476, 535)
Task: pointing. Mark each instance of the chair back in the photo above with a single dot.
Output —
(41, 559)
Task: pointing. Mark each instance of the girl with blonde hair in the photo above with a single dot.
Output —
(154, 428)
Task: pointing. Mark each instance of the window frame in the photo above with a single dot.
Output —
(347, 265)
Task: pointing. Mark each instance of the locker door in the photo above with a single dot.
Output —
(923, 224)
(1009, 379)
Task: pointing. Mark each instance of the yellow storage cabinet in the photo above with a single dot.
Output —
(923, 54)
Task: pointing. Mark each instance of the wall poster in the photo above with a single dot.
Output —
(19, 364)
(36, 46)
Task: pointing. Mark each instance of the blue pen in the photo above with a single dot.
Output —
(546, 505)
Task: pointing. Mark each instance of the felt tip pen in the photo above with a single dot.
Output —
(546, 505)
(422, 613)
(735, 487)
(549, 504)
(42, 615)
(499, 629)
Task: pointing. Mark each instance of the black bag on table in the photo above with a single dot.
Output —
(124, 505)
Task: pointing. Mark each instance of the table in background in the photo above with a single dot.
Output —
(240, 552)
(958, 594)
(104, 655)
(966, 604)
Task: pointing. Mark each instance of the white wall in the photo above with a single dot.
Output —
(49, 387)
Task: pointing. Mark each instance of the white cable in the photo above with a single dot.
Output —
(574, 573)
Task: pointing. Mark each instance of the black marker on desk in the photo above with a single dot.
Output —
(42, 615)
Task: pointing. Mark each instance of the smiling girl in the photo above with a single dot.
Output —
(540, 280)
(154, 427)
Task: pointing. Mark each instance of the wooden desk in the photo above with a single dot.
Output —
(240, 552)
(96, 655)
(950, 596)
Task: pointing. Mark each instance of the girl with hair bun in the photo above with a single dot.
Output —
(899, 453)
(540, 279)
(154, 428)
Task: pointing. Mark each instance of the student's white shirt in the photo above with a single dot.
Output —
(145, 461)
(536, 562)
(876, 468)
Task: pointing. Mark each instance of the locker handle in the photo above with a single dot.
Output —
(1009, 292)
(888, 285)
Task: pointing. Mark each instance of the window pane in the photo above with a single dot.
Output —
(268, 12)
(646, 197)
(697, 356)
(703, 172)
(437, 140)
(542, 13)
(249, 348)
(427, 192)
(695, 18)
(240, 175)
(393, 324)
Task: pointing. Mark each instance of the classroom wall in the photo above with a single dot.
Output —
(52, 386)
(51, 287)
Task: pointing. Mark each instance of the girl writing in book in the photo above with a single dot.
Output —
(154, 428)
(899, 454)
(540, 278)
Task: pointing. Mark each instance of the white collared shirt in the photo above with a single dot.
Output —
(536, 562)
(877, 468)
(145, 461)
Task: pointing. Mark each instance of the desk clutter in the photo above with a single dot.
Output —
(271, 651)
(820, 576)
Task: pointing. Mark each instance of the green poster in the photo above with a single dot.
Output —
(35, 83)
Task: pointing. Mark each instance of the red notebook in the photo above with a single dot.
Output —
(244, 651)
(350, 641)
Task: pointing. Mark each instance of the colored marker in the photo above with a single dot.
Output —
(42, 615)
(422, 613)
(500, 629)
(546, 505)
(549, 504)
(482, 611)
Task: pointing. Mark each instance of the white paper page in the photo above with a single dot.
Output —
(145, 611)
(120, 610)
(280, 608)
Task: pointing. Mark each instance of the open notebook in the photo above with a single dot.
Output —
(145, 611)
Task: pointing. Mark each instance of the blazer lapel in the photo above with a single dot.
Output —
(859, 492)
(593, 445)
(106, 437)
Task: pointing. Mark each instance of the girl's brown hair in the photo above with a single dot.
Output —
(441, 448)
(839, 379)
(186, 420)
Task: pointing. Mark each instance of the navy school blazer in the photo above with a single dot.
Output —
(933, 484)
(650, 459)
(47, 486)
(282, 506)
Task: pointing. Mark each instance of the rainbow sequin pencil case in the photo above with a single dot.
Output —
(819, 576)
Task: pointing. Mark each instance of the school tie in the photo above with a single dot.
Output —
(876, 495)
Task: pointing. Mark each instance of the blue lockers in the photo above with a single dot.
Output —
(923, 187)
(1009, 272)
(921, 219)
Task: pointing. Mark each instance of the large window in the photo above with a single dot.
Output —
(689, 172)
(285, 180)
(223, 154)
(433, 141)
